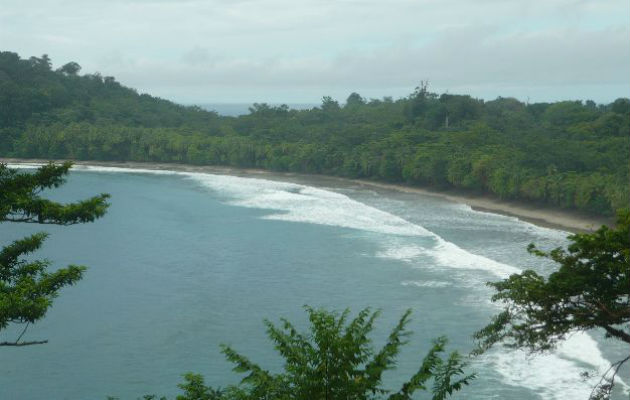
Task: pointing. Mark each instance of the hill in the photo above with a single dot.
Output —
(570, 154)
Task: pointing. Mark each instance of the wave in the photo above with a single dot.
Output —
(576, 355)
(25, 165)
(493, 220)
(409, 253)
(98, 168)
(307, 204)
(446, 255)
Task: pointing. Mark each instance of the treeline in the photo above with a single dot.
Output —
(568, 154)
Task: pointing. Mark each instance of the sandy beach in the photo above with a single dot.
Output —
(570, 221)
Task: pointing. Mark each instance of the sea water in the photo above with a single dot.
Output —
(184, 262)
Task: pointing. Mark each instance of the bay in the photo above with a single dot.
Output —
(185, 261)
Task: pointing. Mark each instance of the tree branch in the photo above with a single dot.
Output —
(16, 344)
(31, 220)
(618, 333)
(607, 390)
(23, 332)
(17, 341)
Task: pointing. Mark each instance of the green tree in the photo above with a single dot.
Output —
(195, 389)
(354, 100)
(335, 360)
(71, 68)
(329, 104)
(27, 287)
(591, 289)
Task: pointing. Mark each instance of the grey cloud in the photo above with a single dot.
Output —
(282, 50)
(465, 57)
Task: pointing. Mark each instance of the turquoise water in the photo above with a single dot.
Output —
(183, 262)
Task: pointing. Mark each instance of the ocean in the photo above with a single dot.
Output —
(183, 262)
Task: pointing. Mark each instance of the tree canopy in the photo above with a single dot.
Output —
(27, 287)
(568, 154)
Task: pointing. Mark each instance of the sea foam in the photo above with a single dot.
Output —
(306, 204)
(555, 376)
(498, 221)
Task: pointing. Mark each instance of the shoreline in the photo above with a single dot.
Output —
(566, 220)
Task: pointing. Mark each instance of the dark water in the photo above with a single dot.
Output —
(184, 262)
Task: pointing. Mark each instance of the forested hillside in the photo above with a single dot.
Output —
(569, 154)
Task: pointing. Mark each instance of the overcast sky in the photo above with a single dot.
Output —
(296, 51)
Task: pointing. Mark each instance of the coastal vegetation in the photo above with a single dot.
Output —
(27, 286)
(568, 154)
(335, 360)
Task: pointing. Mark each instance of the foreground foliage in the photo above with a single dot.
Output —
(591, 289)
(568, 154)
(27, 287)
(334, 361)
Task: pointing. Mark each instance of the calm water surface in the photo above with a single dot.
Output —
(184, 262)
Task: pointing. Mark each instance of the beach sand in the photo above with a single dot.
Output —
(570, 221)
